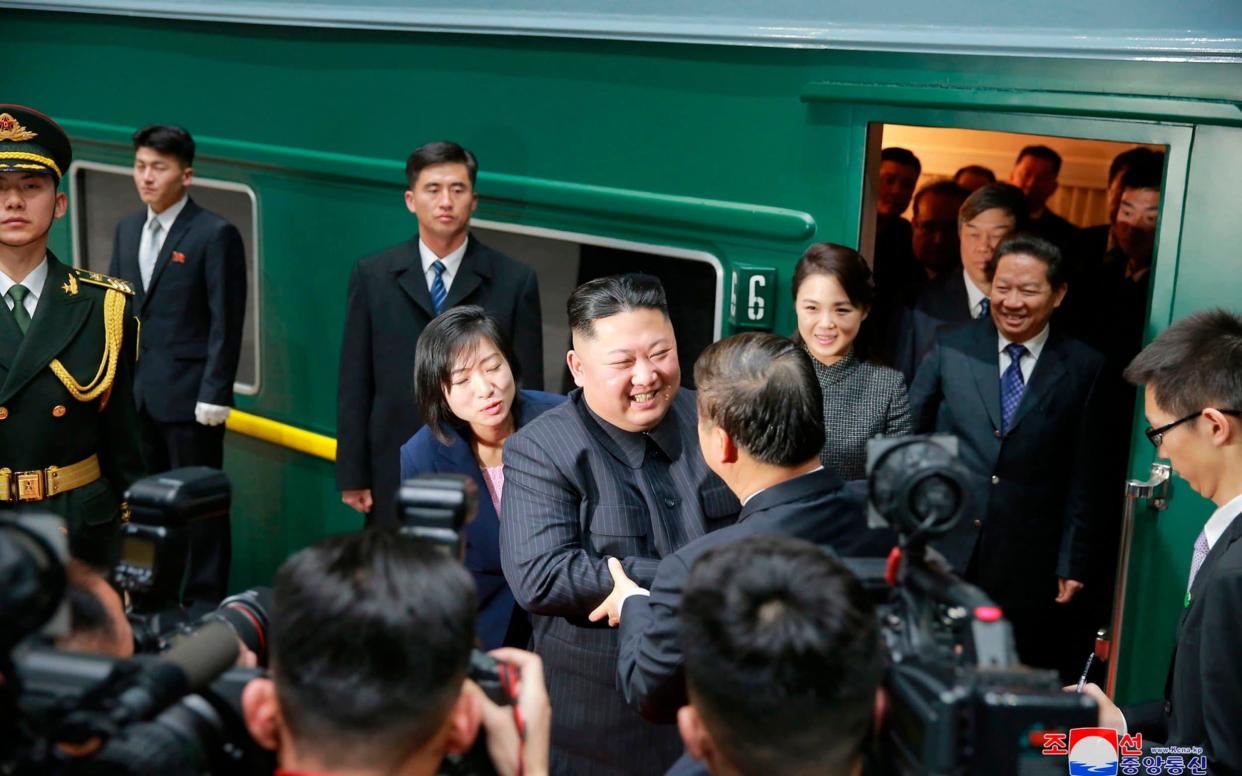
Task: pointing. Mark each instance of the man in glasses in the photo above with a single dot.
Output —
(1192, 382)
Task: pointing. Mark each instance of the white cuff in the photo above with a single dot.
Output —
(631, 594)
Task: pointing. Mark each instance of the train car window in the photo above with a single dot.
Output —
(103, 194)
(563, 260)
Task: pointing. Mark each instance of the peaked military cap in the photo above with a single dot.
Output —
(32, 142)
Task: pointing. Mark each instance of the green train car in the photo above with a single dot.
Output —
(708, 142)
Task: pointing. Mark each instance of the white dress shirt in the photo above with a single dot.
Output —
(1221, 519)
(1034, 346)
(166, 219)
(974, 295)
(33, 283)
(451, 263)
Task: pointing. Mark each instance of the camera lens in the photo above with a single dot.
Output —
(247, 614)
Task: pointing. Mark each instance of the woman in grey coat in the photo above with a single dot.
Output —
(833, 294)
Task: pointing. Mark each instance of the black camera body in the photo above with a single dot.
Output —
(960, 701)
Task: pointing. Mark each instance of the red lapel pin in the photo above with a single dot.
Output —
(178, 257)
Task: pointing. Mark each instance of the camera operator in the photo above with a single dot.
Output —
(761, 431)
(371, 637)
(783, 662)
(96, 615)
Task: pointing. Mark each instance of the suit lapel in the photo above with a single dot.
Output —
(57, 320)
(10, 340)
(985, 369)
(474, 267)
(410, 277)
(178, 230)
(131, 235)
(1049, 370)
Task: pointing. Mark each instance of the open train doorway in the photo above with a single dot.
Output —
(1098, 202)
(693, 281)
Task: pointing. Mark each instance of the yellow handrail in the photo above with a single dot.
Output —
(280, 434)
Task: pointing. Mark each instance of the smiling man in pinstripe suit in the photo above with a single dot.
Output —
(614, 471)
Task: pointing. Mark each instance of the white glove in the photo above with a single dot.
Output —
(211, 414)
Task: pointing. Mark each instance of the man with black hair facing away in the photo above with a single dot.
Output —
(614, 471)
(393, 295)
(371, 635)
(758, 401)
(68, 426)
(892, 258)
(783, 662)
(1023, 400)
(188, 268)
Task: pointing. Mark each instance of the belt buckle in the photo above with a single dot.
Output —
(29, 485)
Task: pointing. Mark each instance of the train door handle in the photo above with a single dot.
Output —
(1155, 488)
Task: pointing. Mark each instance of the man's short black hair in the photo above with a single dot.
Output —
(440, 152)
(1004, 196)
(902, 156)
(976, 169)
(1043, 153)
(371, 635)
(613, 295)
(762, 390)
(1123, 160)
(1035, 246)
(1145, 172)
(1194, 364)
(944, 188)
(783, 656)
(455, 332)
(167, 139)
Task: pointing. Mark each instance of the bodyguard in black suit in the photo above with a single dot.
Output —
(758, 402)
(68, 428)
(1193, 400)
(188, 267)
(1022, 399)
(954, 296)
(393, 295)
(616, 472)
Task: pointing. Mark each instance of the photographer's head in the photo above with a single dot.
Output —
(760, 411)
(97, 623)
(370, 643)
(1192, 380)
(783, 661)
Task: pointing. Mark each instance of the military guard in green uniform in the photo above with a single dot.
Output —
(68, 339)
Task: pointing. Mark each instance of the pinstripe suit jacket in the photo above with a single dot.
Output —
(575, 493)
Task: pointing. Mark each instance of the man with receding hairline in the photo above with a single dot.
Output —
(615, 471)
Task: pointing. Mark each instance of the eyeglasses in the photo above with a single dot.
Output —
(1156, 435)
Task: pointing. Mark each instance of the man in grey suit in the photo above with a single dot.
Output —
(615, 471)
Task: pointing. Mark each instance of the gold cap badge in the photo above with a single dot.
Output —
(11, 129)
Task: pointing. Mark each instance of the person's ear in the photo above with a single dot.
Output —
(1058, 294)
(880, 711)
(187, 174)
(409, 201)
(1219, 426)
(865, 312)
(262, 713)
(694, 734)
(575, 366)
(725, 445)
(462, 723)
(62, 205)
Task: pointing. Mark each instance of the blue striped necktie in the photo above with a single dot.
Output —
(438, 292)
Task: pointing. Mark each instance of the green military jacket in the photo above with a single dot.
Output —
(66, 393)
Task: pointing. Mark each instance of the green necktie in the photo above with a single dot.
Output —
(18, 294)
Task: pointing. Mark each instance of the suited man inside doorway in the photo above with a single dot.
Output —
(188, 268)
(393, 295)
(1023, 400)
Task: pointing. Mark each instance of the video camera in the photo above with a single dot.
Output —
(435, 509)
(960, 701)
(175, 712)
